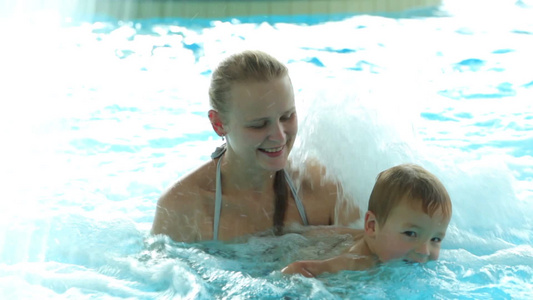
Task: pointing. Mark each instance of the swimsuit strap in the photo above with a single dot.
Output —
(219, 151)
(218, 197)
(297, 199)
(218, 193)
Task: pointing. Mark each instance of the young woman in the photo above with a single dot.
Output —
(248, 186)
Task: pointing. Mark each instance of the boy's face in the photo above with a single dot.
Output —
(408, 234)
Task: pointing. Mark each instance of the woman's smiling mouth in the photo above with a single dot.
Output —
(272, 150)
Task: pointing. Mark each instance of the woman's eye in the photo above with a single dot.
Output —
(287, 117)
(257, 126)
(410, 233)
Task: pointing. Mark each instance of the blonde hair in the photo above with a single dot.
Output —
(249, 65)
(412, 183)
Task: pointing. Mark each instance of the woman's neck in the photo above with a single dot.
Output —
(239, 176)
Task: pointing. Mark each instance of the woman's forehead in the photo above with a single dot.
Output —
(259, 98)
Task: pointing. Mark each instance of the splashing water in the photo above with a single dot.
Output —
(100, 117)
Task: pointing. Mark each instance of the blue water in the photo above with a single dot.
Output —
(99, 117)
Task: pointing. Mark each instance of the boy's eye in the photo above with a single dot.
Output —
(410, 233)
(436, 240)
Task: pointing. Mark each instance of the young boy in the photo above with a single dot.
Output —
(408, 214)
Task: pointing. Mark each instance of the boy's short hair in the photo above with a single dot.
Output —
(410, 182)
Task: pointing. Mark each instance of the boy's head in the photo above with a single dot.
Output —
(408, 214)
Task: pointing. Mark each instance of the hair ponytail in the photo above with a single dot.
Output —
(281, 200)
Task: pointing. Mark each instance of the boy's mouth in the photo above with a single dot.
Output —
(412, 262)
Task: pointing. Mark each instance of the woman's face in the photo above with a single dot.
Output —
(261, 122)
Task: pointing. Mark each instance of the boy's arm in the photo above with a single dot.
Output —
(313, 268)
(308, 268)
(325, 230)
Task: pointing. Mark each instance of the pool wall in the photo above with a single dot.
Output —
(214, 9)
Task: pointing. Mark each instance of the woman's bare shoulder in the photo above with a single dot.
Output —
(182, 210)
(312, 176)
(188, 189)
(307, 170)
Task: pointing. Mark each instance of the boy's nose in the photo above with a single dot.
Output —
(422, 249)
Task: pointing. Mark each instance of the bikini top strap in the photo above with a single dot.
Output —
(219, 151)
(297, 199)
(218, 198)
(218, 193)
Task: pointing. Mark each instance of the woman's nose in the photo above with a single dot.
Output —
(278, 132)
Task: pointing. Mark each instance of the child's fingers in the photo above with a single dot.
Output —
(297, 268)
(306, 272)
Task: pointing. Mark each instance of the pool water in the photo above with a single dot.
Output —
(99, 118)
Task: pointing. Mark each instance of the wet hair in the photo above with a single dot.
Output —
(250, 66)
(280, 202)
(246, 66)
(411, 183)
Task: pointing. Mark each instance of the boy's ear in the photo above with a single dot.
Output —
(370, 224)
(216, 122)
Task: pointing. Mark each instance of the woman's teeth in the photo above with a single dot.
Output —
(272, 150)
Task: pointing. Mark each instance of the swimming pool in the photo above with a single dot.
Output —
(99, 118)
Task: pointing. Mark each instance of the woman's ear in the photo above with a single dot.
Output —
(216, 122)
(370, 224)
